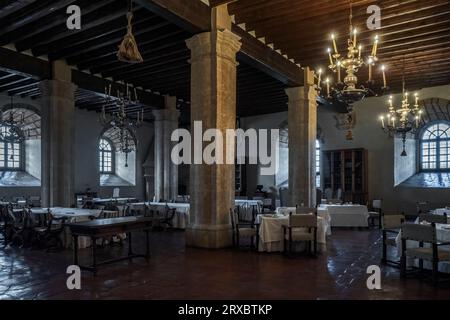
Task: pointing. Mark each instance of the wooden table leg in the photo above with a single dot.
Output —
(75, 250)
(94, 255)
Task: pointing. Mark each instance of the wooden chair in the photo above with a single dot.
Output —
(48, 231)
(301, 228)
(391, 225)
(305, 210)
(247, 230)
(423, 234)
(436, 218)
(20, 223)
(375, 213)
(169, 214)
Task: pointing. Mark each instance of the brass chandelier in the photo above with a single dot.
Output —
(347, 90)
(403, 120)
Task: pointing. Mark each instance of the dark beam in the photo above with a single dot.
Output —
(216, 3)
(22, 64)
(193, 16)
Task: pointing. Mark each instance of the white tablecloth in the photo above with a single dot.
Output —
(271, 232)
(346, 215)
(73, 215)
(442, 235)
(323, 213)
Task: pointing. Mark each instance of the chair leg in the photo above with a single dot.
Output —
(384, 255)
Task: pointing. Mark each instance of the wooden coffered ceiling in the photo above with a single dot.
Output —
(417, 31)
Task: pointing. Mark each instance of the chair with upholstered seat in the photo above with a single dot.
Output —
(391, 225)
(436, 218)
(301, 228)
(423, 233)
(244, 230)
(375, 213)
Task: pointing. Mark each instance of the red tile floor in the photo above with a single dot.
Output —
(177, 272)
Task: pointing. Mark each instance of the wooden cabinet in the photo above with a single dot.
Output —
(346, 170)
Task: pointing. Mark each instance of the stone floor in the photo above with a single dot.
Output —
(177, 272)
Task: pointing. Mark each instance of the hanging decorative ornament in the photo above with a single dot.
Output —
(128, 49)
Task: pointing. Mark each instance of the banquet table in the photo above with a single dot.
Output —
(271, 232)
(181, 219)
(346, 215)
(442, 235)
(321, 213)
(73, 215)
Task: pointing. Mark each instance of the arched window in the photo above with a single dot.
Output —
(10, 153)
(434, 148)
(106, 156)
(317, 164)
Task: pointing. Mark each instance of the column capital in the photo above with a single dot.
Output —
(222, 43)
(305, 93)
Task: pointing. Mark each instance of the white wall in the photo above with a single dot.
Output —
(33, 157)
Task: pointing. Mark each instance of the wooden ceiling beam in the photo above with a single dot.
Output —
(195, 17)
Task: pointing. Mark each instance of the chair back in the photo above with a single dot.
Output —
(169, 213)
(302, 220)
(419, 232)
(393, 221)
(436, 218)
(234, 217)
(306, 210)
(376, 204)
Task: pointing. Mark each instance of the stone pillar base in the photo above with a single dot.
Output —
(209, 236)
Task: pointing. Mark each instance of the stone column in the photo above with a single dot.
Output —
(213, 102)
(166, 172)
(57, 129)
(149, 177)
(302, 123)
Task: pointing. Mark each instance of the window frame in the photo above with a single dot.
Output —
(438, 141)
(21, 161)
(101, 152)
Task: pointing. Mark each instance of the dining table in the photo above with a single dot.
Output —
(271, 232)
(73, 215)
(346, 215)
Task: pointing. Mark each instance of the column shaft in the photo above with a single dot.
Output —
(58, 115)
(213, 102)
(302, 118)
